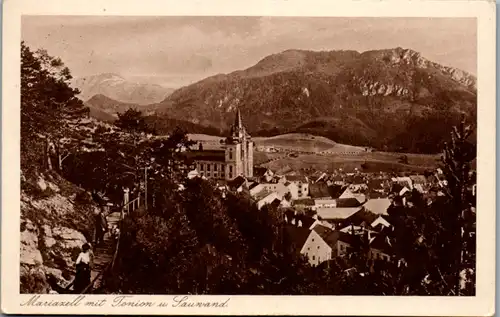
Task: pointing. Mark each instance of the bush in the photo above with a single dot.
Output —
(83, 198)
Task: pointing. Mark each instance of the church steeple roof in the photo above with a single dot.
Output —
(238, 131)
(237, 120)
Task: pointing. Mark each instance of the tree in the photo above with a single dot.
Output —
(133, 122)
(403, 159)
(457, 160)
(47, 104)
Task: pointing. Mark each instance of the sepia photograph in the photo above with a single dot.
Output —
(248, 155)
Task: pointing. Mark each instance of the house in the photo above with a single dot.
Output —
(338, 180)
(265, 197)
(324, 203)
(348, 202)
(368, 220)
(360, 197)
(297, 235)
(278, 188)
(263, 174)
(323, 189)
(303, 204)
(255, 188)
(347, 193)
(336, 191)
(323, 244)
(298, 219)
(324, 223)
(336, 213)
(301, 188)
(319, 190)
(380, 248)
(237, 184)
(380, 223)
(362, 218)
(378, 206)
(285, 203)
(319, 176)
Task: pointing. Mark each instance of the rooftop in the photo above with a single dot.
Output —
(361, 217)
(332, 236)
(336, 213)
(297, 235)
(207, 155)
(348, 202)
(237, 182)
(296, 178)
(304, 201)
(262, 194)
(378, 205)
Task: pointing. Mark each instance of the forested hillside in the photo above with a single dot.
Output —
(394, 98)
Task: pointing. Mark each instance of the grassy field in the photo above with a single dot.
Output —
(293, 141)
(373, 163)
(296, 141)
(328, 155)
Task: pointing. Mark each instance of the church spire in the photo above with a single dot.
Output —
(237, 120)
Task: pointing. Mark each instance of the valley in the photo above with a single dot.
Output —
(301, 151)
(390, 100)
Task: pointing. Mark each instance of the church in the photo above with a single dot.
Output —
(235, 159)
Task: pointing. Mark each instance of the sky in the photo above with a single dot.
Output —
(177, 51)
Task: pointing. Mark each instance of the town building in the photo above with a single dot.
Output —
(235, 159)
(324, 244)
(298, 186)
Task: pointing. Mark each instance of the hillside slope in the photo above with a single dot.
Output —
(375, 98)
(56, 220)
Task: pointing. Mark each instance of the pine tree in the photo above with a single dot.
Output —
(47, 104)
(457, 160)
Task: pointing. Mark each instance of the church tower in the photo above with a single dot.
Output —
(239, 151)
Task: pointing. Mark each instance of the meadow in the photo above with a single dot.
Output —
(320, 153)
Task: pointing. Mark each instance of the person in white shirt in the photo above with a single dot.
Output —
(82, 277)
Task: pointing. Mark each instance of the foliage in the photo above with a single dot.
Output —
(47, 102)
(132, 121)
(195, 241)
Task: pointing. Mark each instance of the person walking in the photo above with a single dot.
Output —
(101, 226)
(82, 276)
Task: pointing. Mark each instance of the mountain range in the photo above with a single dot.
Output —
(118, 88)
(393, 99)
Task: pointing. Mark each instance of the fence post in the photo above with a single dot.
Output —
(126, 199)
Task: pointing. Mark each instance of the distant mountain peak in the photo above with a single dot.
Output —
(116, 87)
(354, 95)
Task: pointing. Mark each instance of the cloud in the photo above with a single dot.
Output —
(195, 47)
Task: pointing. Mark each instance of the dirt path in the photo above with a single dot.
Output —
(104, 253)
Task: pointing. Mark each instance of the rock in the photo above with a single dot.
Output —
(41, 183)
(30, 254)
(71, 237)
(57, 204)
(53, 186)
(49, 239)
